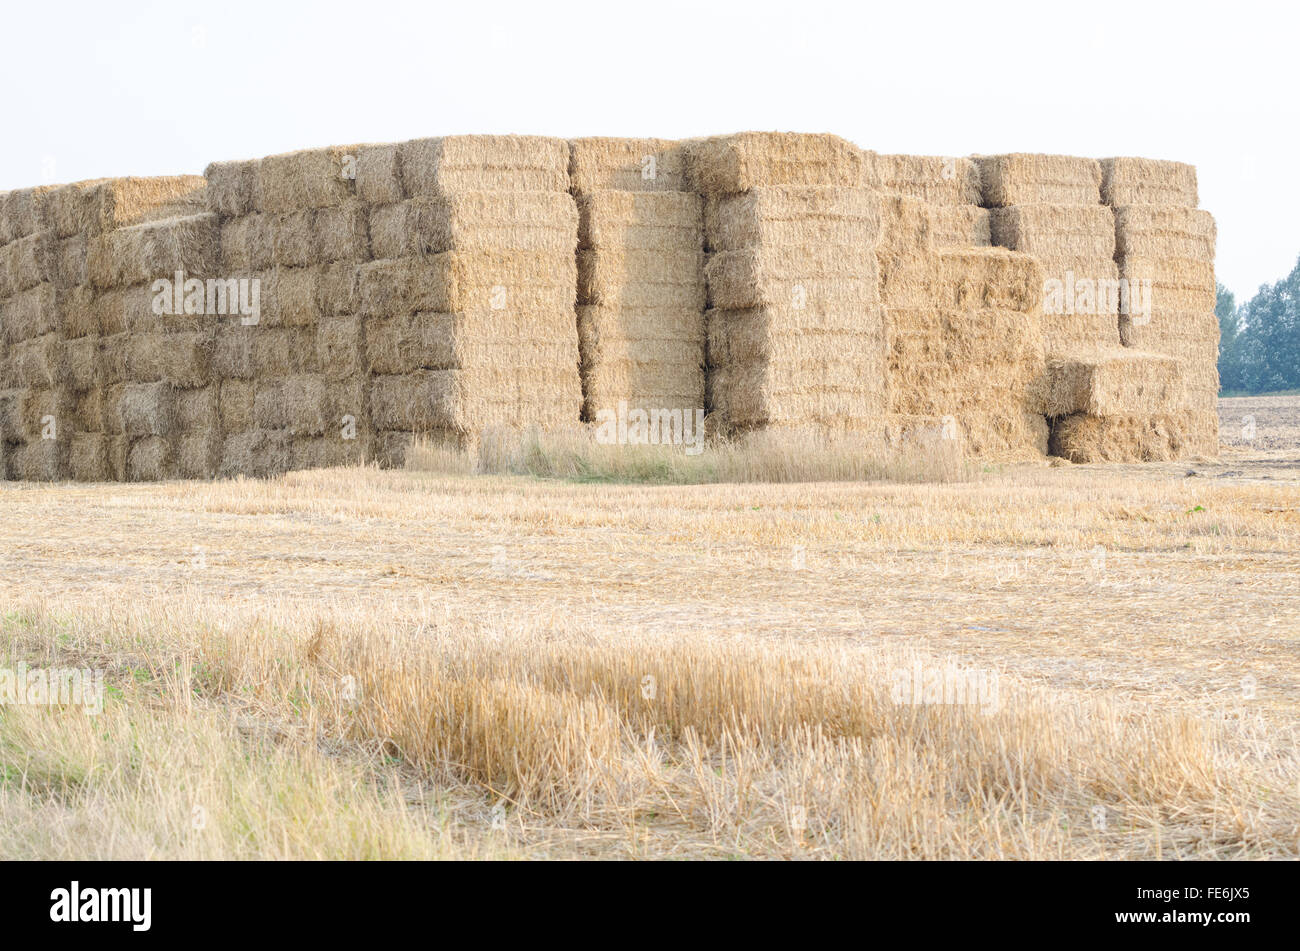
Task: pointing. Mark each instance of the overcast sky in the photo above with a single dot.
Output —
(93, 90)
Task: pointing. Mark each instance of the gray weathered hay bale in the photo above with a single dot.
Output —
(232, 353)
(81, 359)
(1140, 181)
(339, 347)
(126, 309)
(198, 454)
(235, 405)
(329, 452)
(23, 212)
(338, 289)
(156, 249)
(76, 309)
(1158, 231)
(1082, 438)
(46, 412)
(1119, 383)
(1027, 179)
(283, 351)
(88, 458)
(29, 314)
(39, 361)
(72, 209)
(343, 233)
(379, 174)
(292, 298)
(12, 427)
(737, 163)
(231, 187)
(257, 453)
(150, 459)
(70, 259)
(28, 262)
(141, 409)
(310, 178)
(484, 163)
(295, 403)
(633, 165)
(934, 179)
(295, 240)
(42, 460)
(423, 400)
(519, 221)
(196, 410)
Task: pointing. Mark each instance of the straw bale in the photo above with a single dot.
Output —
(1139, 181)
(528, 282)
(1119, 382)
(88, 458)
(283, 351)
(257, 453)
(231, 190)
(156, 249)
(232, 354)
(484, 163)
(670, 221)
(737, 163)
(309, 178)
(141, 409)
(338, 289)
(198, 454)
(793, 216)
(603, 274)
(488, 221)
(12, 403)
(427, 399)
(124, 202)
(196, 410)
(72, 209)
(328, 452)
(961, 226)
(29, 262)
(70, 259)
(295, 403)
(40, 406)
(1155, 231)
(809, 277)
(1026, 179)
(339, 343)
(43, 460)
(935, 179)
(24, 212)
(235, 405)
(39, 361)
(598, 323)
(343, 233)
(76, 310)
(30, 314)
(391, 448)
(81, 360)
(1066, 232)
(1142, 438)
(379, 174)
(295, 240)
(248, 243)
(631, 165)
(294, 300)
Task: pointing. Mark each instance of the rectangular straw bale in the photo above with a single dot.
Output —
(294, 403)
(256, 453)
(470, 281)
(484, 163)
(424, 400)
(248, 243)
(309, 178)
(30, 313)
(802, 278)
(1026, 179)
(123, 202)
(283, 351)
(329, 452)
(629, 165)
(1140, 181)
(598, 322)
(1119, 382)
(794, 215)
(198, 454)
(43, 460)
(12, 402)
(70, 259)
(231, 187)
(936, 179)
(156, 249)
(75, 307)
(379, 174)
(1085, 232)
(29, 261)
(603, 274)
(961, 226)
(646, 220)
(150, 459)
(235, 403)
(339, 347)
(737, 163)
(1142, 438)
(88, 458)
(39, 361)
(343, 233)
(141, 409)
(81, 359)
(294, 297)
(73, 209)
(1158, 231)
(295, 239)
(338, 289)
(232, 352)
(47, 412)
(24, 212)
(197, 410)
(519, 221)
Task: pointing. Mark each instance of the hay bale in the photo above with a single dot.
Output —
(12, 425)
(629, 165)
(88, 458)
(156, 249)
(483, 163)
(310, 178)
(248, 243)
(961, 226)
(379, 174)
(797, 218)
(339, 347)
(470, 281)
(737, 163)
(42, 460)
(1140, 181)
(30, 314)
(232, 354)
(283, 351)
(70, 260)
(1027, 179)
(141, 409)
(295, 404)
(669, 221)
(198, 455)
(1156, 231)
(24, 212)
(231, 190)
(125, 202)
(293, 299)
(150, 459)
(72, 209)
(339, 290)
(329, 452)
(196, 410)
(470, 221)
(29, 262)
(674, 276)
(420, 401)
(1056, 232)
(933, 179)
(1081, 438)
(40, 361)
(81, 360)
(235, 405)
(257, 453)
(1114, 383)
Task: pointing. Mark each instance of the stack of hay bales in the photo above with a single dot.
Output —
(641, 288)
(796, 335)
(1161, 237)
(288, 395)
(949, 187)
(469, 304)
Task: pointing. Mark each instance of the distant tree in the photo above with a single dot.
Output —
(1259, 349)
(1225, 308)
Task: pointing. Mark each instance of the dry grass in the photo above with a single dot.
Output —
(355, 663)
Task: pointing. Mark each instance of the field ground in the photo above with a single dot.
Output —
(356, 663)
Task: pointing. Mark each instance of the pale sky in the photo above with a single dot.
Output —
(94, 90)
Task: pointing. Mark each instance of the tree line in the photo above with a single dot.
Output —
(1259, 341)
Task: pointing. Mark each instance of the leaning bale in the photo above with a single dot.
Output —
(157, 249)
(311, 178)
(599, 164)
(737, 163)
(1140, 181)
(484, 163)
(1025, 179)
(123, 202)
